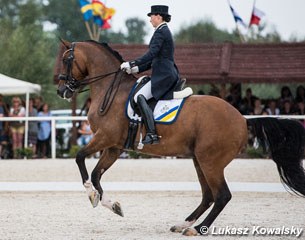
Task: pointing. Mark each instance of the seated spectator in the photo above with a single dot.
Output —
(272, 108)
(85, 134)
(286, 95)
(247, 103)
(287, 108)
(258, 108)
(300, 94)
(234, 97)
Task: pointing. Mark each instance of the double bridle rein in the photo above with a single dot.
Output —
(73, 84)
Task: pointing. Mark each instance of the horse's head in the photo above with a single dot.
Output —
(72, 71)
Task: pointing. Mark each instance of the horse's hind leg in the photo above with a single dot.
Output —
(108, 157)
(221, 194)
(206, 202)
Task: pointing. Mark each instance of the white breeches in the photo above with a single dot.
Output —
(145, 91)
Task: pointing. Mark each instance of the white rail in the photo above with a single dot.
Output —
(40, 119)
(53, 120)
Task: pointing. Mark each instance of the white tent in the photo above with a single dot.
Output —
(12, 86)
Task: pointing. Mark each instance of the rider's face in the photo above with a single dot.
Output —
(155, 20)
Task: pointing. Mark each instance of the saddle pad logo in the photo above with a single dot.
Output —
(166, 111)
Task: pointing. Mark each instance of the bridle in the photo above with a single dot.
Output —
(71, 82)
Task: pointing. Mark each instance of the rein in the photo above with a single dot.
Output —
(73, 84)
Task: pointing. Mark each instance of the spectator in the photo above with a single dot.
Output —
(33, 128)
(17, 127)
(85, 134)
(287, 108)
(234, 97)
(258, 108)
(300, 94)
(247, 103)
(286, 95)
(38, 103)
(44, 132)
(272, 108)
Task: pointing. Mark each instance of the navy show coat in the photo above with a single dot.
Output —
(160, 57)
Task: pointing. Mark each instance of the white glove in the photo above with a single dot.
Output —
(134, 69)
(126, 66)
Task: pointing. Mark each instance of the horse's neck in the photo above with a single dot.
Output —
(101, 63)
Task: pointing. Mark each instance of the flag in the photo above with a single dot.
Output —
(101, 14)
(256, 16)
(86, 9)
(237, 18)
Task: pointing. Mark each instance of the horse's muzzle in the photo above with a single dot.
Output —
(64, 92)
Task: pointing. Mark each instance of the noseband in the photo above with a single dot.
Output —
(72, 83)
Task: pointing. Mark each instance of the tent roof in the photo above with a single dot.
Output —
(9, 86)
(228, 62)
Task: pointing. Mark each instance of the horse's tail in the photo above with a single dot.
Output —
(286, 140)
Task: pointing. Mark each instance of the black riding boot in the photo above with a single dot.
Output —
(149, 122)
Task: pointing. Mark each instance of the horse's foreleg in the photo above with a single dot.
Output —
(207, 201)
(108, 157)
(89, 149)
(80, 160)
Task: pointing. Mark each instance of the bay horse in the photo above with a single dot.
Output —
(209, 130)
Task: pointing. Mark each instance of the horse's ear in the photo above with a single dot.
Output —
(65, 43)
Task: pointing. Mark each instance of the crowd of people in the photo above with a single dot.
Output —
(286, 104)
(12, 133)
(39, 132)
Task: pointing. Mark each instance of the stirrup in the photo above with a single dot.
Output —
(151, 138)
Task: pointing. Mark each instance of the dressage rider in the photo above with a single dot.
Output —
(159, 57)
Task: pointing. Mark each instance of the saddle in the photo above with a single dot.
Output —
(165, 111)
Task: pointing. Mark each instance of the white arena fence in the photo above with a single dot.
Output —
(54, 119)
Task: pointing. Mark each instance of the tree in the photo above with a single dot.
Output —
(27, 52)
(204, 31)
(135, 30)
(68, 18)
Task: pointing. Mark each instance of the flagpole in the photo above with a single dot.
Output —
(94, 31)
(249, 27)
(89, 30)
(236, 26)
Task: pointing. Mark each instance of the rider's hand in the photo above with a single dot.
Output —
(134, 69)
(128, 68)
(125, 66)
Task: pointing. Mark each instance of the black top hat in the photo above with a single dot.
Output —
(159, 9)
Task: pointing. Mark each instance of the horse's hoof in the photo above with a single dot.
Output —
(116, 208)
(176, 229)
(190, 232)
(94, 198)
(180, 227)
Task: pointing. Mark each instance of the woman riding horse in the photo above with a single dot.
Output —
(208, 130)
(165, 76)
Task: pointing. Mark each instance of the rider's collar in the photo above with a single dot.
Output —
(163, 23)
